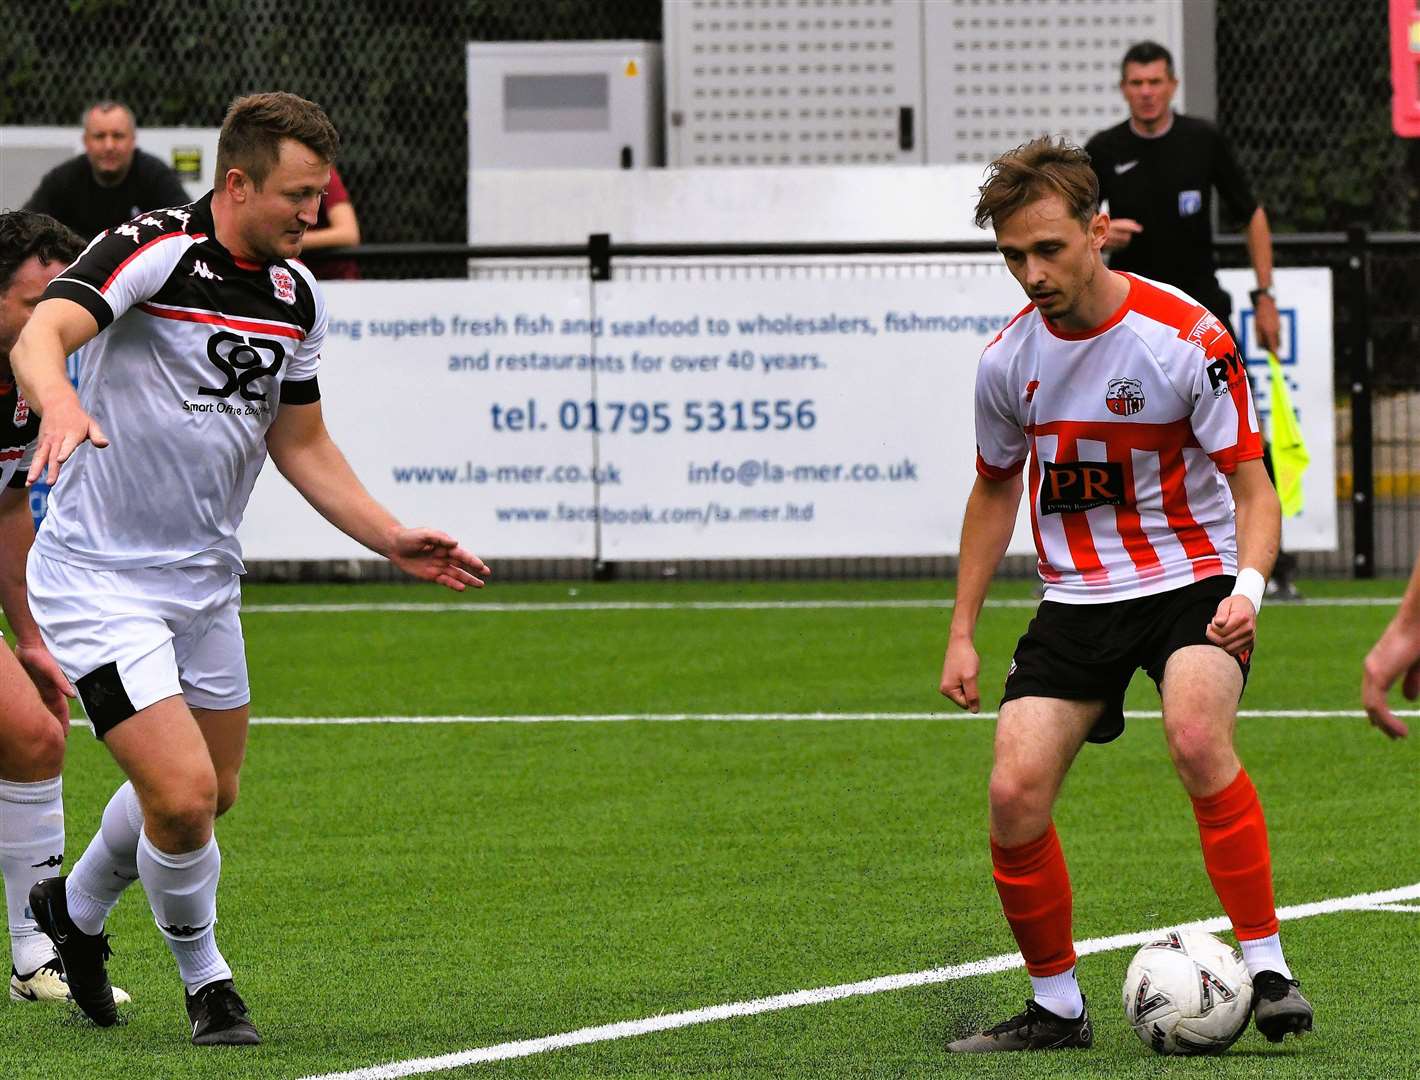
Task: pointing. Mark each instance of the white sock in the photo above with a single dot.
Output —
(1059, 993)
(182, 891)
(109, 864)
(1265, 954)
(31, 848)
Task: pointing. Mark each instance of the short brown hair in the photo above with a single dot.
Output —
(255, 125)
(1041, 167)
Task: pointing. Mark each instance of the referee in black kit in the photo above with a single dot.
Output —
(1158, 170)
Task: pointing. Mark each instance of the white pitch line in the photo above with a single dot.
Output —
(480, 608)
(745, 717)
(670, 1021)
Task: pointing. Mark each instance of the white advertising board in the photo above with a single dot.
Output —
(749, 412)
(1305, 352)
(425, 386)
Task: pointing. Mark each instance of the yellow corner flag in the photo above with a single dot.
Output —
(1289, 451)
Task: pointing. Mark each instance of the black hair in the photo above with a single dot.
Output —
(25, 233)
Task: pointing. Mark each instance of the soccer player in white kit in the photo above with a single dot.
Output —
(1126, 405)
(34, 705)
(206, 337)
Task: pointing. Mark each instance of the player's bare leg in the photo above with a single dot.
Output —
(225, 732)
(1037, 740)
(31, 826)
(1200, 689)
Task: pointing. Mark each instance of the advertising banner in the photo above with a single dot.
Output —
(748, 411)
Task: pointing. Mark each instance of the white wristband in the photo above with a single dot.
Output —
(1251, 584)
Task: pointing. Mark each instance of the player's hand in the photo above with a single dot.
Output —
(430, 555)
(54, 689)
(61, 431)
(1268, 323)
(960, 669)
(1121, 231)
(1234, 626)
(1395, 656)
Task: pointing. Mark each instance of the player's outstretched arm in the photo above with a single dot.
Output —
(17, 532)
(307, 456)
(56, 329)
(1259, 529)
(986, 530)
(1395, 656)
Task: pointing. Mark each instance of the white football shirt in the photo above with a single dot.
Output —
(1126, 432)
(197, 351)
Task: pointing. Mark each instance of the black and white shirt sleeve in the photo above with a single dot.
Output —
(125, 265)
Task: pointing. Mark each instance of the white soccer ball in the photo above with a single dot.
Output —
(1188, 993)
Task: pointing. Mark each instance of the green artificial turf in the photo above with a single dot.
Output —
(397, 891)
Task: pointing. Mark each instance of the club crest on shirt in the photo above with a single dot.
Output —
(22, 411)
(1124, 397)
(283, 284)
(1189, 203)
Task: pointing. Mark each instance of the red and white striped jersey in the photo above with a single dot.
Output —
(1126, 431)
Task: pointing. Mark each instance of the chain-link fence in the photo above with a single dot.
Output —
(1303, 93)
(389, 72)
(1303, 88)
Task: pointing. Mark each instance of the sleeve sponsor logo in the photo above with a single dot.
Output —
(1205, 332)
(1226, 372)
(1075, 486)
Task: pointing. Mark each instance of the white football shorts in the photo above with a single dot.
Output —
(129, 638)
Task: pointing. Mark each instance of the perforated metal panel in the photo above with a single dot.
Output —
(793, 82)
(1001, 72)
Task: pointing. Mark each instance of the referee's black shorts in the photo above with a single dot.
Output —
(1089, 652)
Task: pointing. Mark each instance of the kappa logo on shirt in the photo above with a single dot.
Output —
(201, 270)
(1076, 486)
(283, 284)
(1124, 397)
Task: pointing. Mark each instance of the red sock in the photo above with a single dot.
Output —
(1035, 894)
(1235, 851)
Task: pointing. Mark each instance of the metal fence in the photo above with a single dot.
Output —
(1302, 90)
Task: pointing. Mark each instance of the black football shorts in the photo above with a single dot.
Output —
(1089, 652)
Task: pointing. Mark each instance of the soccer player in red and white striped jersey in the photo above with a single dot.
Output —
(1122, 407)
